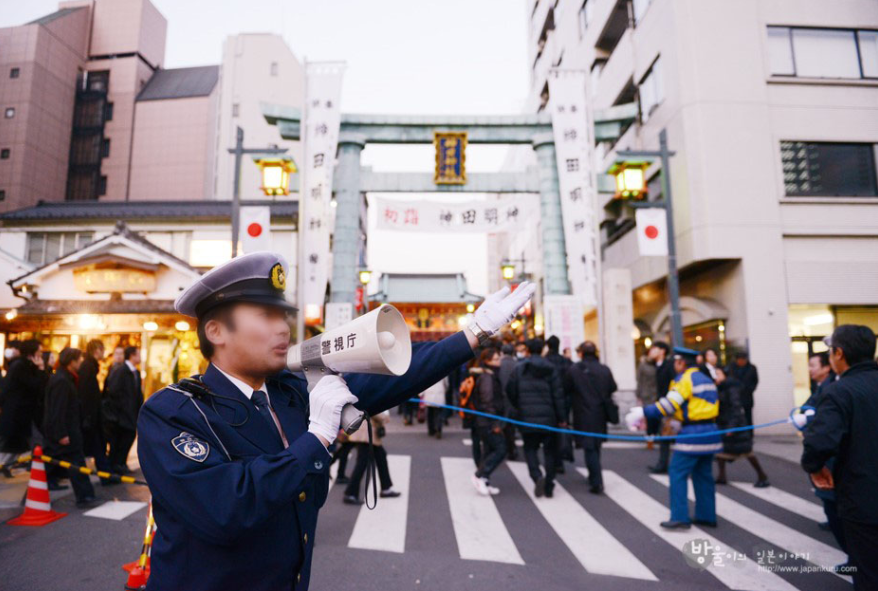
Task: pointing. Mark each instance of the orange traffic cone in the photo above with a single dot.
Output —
(138, 571)
(38, 505)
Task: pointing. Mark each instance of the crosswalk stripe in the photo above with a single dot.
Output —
(784, 500)
(478, 527)
(772, 531)
(383, 528)
(649, 512)
(116, 510)
(595, 548)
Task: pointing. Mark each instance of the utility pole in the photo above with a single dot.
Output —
(239, 150)
(663, 154)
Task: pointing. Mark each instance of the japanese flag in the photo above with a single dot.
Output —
(652, 232)
(255, 228)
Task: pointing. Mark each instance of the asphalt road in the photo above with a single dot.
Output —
(441, 536)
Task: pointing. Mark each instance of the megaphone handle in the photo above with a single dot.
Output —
(351, 416)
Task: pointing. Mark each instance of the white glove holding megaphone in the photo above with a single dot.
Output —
(500, 307)
(327, 399)
(635, 419)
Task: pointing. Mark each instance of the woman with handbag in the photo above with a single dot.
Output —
(360, 439)
(592, 385)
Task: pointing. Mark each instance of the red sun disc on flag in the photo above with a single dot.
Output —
(254, 229)
(651, 232)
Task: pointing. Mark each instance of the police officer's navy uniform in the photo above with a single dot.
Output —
(248, 521)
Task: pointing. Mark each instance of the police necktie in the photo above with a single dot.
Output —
(260, 399)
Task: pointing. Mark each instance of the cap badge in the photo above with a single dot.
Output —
(278, 277)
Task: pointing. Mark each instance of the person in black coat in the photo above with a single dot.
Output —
(746, 373)
(562, 364)
(22, 393)
(62, 423)
(592, 385)
(844, 427)
(94, 444)
(488, 398)
(738, 444)
(122, 401)
(534, 391)
(660, 353)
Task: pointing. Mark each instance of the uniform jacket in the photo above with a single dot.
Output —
(592, 385)
(535, 391)
(90, 392)
(123, 398)
(249, 522)
(693, 401)
(844, 427)
(63, 414)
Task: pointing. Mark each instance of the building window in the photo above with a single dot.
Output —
(823, 53)
(823, 169)
(105, 148)
(108, 112)
(586, 12)
(10, 112)
(235, 109)
(651, 91)
(596, 68)
(2, 194)
(97, 81)
(45, 247)
(14, 72)
(4, 154)
(274, 68)
(102, 185)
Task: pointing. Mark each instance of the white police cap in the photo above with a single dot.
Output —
(258, 277)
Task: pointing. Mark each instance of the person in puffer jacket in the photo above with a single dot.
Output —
(536, 395)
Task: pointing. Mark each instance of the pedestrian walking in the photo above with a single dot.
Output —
(434, 398)
(646, 390)
(564, 441)
(693, 402)
(360, 439)
(660, 353)
(508, 361)
(843, 428)
(592, 385)
(62, 423)
(746, 373)
(23, 392)
(120, 408)
(90, 395)
(535, 391)
(737, 444)
(488, 398)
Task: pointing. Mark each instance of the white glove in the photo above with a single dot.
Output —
(326, 401)
(500, 307)
(635, 419)
(801, 419)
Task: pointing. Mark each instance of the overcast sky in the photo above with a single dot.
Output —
(403, 56)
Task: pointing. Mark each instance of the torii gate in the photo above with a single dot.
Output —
(349, 179)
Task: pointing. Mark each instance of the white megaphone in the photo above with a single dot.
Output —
(378, 342)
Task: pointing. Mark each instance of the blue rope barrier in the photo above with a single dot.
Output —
(640, 438)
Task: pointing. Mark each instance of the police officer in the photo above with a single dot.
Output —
(237, 460)
(692, 400)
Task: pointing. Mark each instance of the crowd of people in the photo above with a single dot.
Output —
(60, 402)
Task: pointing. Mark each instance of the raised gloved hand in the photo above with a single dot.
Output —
(326, 401)
(635, 418)
(500, 307)
(801, 419)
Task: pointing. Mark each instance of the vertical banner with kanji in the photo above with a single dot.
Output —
(571, 126)
(320, 130)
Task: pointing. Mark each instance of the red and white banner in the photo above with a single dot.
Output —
(320, 130)
(652, 231)
(256, 228)
(508, 214)
(571, 127)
